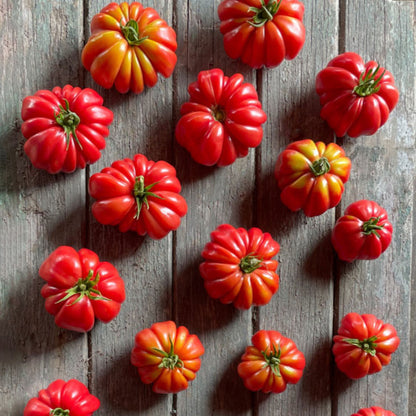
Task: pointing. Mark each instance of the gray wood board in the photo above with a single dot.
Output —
(39, 211)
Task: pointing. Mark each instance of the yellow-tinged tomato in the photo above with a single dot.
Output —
(128, 47)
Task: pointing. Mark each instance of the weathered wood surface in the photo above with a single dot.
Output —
(41, 44)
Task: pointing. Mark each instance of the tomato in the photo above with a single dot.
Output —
(80, 288)
(262, 32)
(138, 195)
(364, 344)
(238, 266)
(61, 398)
(128, 47)
(272, 362)
(312, 176)
(363, 232)
(357, 98)
(374, 411)
(65, 128)
(167, 356)
(222, 119)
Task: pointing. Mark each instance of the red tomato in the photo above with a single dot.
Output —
(364, 232)
(80, 288)
(272, 362)
(364, 344)
(62, 398)
(65, 128)
(262, 32)
(374, 411)
(167, 356)
(138, 195)
(238, 267)
(312, 176)
(357, 98)
(222, 119)
(128, 47)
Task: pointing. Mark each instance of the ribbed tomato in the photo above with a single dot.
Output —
(222, 119)
(238, 266)
(374, 411)
(167, 356)
(65, 128)
(363, 345)
(311, 176)
(271, 363)
(128, 47)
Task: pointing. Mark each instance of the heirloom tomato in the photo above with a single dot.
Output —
(312, 176)
(128, 47)
(222, 119)
(357, 98)
(80, 288)
(65, 128)
(262, 32)
(363, 232)
(363, 345)
(238, 266)
(138, 195)
(167, 356)
(61, 398)
(272, 362)
(374, 411)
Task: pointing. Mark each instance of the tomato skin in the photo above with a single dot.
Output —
(374, 411)
(257, 372)
(129, 64)
(222, 119)
(49, 146)
(277, 38)
(363, 345)
(363, 232)
(302, 188)
(72, 396)
(167, 356)
(229, 252)
(344, 108)
(161, 205)
(63, 271)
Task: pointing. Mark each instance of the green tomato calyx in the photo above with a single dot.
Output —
(371, 226)
(368, 83)
(141, 193)
(69, 121)
(131, 33)
(250, 263)
(264, 13)
(59, 412)
(170, 360)
(84, 287)
(368, 345)
(320, 166)
(273, 360)
(218, 112)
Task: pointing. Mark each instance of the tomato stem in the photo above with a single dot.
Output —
(69, 121)
(218, 113)
(371, 226)
(265, 13)
(170, 360)
(320, 166)
(368, 83)
(250, 263)
(84, 287)
(273, 360)
(368, 345)
(141, 193)
(131, 33)
(59, 412)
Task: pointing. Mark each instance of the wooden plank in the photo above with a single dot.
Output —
(215, 196)
(383, 171)
(39, 211)
(302, 308)
(144, 264)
